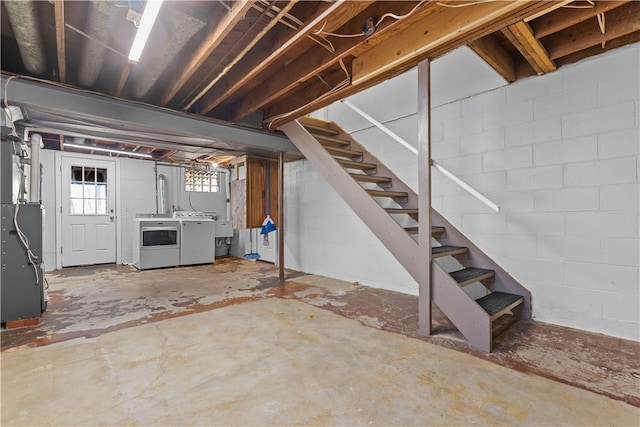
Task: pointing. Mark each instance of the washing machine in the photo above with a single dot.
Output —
(197, 238)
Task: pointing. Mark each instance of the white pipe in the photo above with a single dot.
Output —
(436, 165)
(224, 171)
(465, 186)
(34, 175)
(382, 127)
(161, 182)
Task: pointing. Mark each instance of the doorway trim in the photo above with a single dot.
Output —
(59, 155)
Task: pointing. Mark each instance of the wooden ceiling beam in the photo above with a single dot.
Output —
(566, 17)
(319, 59)
(312, 97)
(522, 37)
(167, 155)
(442, 27)
(216, 33)
(496, 56)
(596, 50)
(122, 80)
(58, 11)
(618, 23)
(407, 45)
(259, 36)
(336, 15)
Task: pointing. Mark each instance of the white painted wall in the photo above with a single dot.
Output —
(135, 193)
(558, 153)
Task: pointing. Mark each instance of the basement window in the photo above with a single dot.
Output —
(201, 181)
(88, 191)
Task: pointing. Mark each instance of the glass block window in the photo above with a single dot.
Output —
(201, 181)
(88, 191)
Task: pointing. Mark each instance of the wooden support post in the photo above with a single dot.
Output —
(281, 216)
(424, 196)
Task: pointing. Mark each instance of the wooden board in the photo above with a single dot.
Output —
(238, 203)
(248, 199)
(257, 205)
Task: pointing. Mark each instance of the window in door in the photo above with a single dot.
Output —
(88, 191)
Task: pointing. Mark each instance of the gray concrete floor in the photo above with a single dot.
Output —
(226, 345)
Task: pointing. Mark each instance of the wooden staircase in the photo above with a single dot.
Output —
(390, 209)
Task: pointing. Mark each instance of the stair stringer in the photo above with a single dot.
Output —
(503, 281)
(386, 229)
(470, 319)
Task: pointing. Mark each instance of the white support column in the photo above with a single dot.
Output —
(424, 195)
(281, 216)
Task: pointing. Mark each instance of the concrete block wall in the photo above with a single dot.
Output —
(559, 153)
(323, 236)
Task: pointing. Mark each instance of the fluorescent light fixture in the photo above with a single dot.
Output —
(107, 150)
(144, 29)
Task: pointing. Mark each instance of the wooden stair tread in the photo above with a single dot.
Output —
(397, 211)
(392, 194)
(415, 230)
(446, 250)
(498, 303)
(328, 141)
(338, 144)
(371, 178)
(343, 152)
(469, 275)
(350, 164)
(319, 128)
(436, 229)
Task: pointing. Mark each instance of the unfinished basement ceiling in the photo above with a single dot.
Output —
(263, 63)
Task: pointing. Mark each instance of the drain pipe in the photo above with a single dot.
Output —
(34, 170)
(227, 177)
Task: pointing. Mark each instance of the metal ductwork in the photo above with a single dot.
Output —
(94, 52)
(170, 37)
(34, 170)
(24, 22)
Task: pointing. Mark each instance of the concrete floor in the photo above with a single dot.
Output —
(225, 345)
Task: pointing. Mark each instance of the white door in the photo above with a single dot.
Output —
(88, 211)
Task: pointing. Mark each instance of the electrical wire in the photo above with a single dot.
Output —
(382, 18)
(192, 208)
(339, 86)
(21, 236)
(571, 6)
(603, 29)
(100, 42)
(464, 4)
(238, 56)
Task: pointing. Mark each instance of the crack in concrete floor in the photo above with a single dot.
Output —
(93, 301)
(280, 362)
